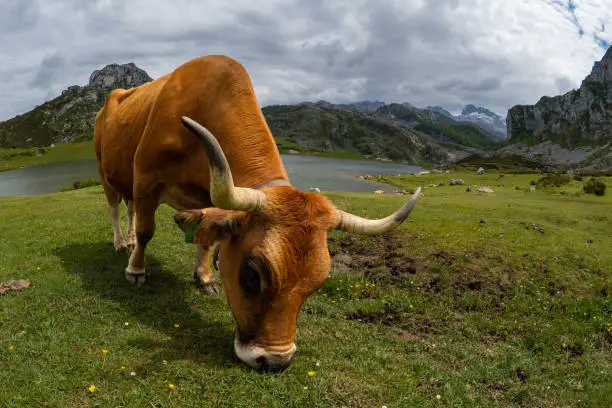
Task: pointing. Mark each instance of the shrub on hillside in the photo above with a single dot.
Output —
(595, 186)
(82, 184)
(577, 177)
(554, 180)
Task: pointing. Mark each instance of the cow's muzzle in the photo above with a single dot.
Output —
(263, 359)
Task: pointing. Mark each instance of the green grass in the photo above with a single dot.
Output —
(11, 159)
(481, 299)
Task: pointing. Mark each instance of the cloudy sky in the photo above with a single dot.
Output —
(493, 53)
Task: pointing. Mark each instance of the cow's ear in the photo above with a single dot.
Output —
(208, 226)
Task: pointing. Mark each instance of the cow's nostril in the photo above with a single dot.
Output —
(261, 361)
(271, 365)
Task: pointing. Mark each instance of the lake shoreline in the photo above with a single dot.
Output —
(305, 172)
(84, 150)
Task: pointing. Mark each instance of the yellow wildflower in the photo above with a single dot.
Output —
(171, 386)
(176, 325)
(105, 351)
(123, 367)
(11, 347)
(311, 373)
(92, 388)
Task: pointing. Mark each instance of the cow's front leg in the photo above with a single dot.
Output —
(145, 229)
(203, 275)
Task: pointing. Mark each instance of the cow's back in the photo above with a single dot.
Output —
(142, 135)
(217, 92)
(119, 127)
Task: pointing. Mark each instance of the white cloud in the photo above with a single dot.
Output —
(493, 53)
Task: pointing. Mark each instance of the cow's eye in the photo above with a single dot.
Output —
(249, 278)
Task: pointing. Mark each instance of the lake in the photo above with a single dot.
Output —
(327, 174)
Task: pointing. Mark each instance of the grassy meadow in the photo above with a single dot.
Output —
(478, 300)
(11, 159)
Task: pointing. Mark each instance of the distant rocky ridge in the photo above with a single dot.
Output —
(70, 117)
(573, 130)
(433, 126)
(489, 121)
(115, 76)
(370, 129)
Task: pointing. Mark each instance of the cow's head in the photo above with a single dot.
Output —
(272, 252)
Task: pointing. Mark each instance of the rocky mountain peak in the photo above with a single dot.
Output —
(440, 110)
(469, 109)
(602, 70)
(115, 76)
(577, 118)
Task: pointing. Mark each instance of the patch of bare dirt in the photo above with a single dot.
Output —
(381, 258)
(377, 257)
(14, 285)
(407, 325)
(497, 391)
(430, 387)
(401, 334)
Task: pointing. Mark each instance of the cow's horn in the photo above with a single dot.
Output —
(223, 193)
(352, 223)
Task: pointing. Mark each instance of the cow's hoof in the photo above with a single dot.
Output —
(120, 246)
(209, 287)
(135, 277)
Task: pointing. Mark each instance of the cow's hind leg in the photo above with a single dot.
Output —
(114, 199)
(203, 275)
(145, 208)
(131, 241)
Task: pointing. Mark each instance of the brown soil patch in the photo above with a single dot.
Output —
(377, 257)
(408, 326)
(14, 285)
(401, 334)
(497, 391)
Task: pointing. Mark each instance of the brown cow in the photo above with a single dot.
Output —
(230, 189)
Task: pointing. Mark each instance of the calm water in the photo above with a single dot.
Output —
(304, 172)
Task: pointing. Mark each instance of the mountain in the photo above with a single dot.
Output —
(441, 110)
(372, 129)
(439, 126)
(489, 121)
(576, 126)
(581, 116)
(70, 116)
(115, 76)
(328, 128)
(364, 106)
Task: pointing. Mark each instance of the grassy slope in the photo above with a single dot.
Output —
(60, 153)
(502, 315)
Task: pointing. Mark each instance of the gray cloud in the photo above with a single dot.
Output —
(446, 53)
(49, 71)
